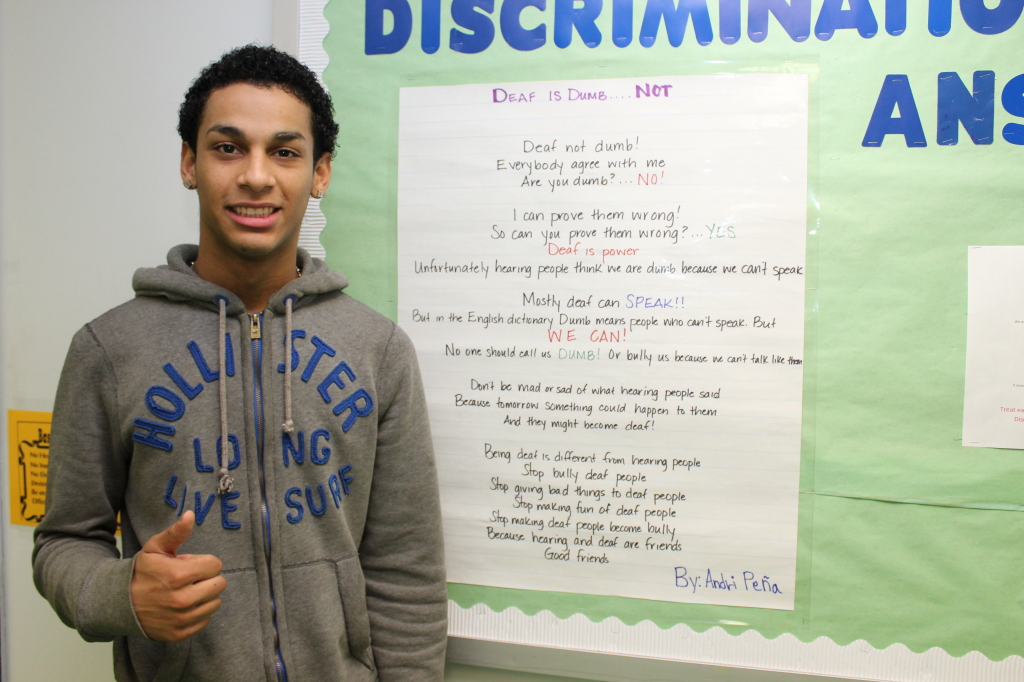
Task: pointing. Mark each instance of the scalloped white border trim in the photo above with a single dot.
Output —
(858, 660)
(313, 29)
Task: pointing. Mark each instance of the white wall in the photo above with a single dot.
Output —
(89, 191)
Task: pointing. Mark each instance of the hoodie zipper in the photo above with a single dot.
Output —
(256, 341)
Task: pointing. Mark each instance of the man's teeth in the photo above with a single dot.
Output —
(253, 212)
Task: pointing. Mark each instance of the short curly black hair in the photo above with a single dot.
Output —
(264, 67)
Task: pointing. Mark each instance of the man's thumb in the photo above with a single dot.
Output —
(170, 539)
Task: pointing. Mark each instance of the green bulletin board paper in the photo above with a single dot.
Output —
(883, 398)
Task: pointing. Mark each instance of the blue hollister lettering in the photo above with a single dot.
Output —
(151, 437)
(298, 453)
(337, 483)
(296, 449)
(171, 414)
(297, 506)
(203, 509)
(296, 334)
(334, 378)
(318, 455)
(323, 500)
(360, 403)
(236, 458)
(189, 391)
(204, 368)
(226, 508)
(321, 348)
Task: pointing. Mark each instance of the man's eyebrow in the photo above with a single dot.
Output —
(235, 133)
(230, 131)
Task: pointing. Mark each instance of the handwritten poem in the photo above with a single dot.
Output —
(605, 282)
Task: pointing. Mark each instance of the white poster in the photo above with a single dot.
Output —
(994, 387)
(605, 280)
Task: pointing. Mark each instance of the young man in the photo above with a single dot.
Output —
(262, 436)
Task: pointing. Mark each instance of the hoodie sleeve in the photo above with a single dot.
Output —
(76, 564)
(402, 551)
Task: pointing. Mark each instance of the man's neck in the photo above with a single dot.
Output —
(253, 281)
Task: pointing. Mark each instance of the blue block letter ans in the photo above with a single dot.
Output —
(833, 17)
(512, 30)
(376, 41)
(895, 92)
(361, 405)
(957, 105)
(1013, 102)
(464, 14)
(676, 18)
(567, 16)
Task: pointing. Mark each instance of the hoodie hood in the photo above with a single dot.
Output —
(177, 282)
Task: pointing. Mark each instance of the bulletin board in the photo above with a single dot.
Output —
(914, 123)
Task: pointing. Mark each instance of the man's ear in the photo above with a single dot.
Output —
(321, 175)
(188, 166)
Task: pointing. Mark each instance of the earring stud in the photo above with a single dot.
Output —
(188, 184)
(320, 194)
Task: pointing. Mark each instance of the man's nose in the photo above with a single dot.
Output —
(257, 174)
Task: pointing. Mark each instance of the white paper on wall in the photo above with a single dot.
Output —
(605, 280)
(994, 387)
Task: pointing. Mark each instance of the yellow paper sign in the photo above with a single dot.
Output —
(29, 436)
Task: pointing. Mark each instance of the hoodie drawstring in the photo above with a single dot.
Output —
(289, 425)
(226, 483)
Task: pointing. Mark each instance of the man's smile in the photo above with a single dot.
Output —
(254, 216)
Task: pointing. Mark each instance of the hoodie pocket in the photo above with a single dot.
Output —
(352, 588)
(324, 625)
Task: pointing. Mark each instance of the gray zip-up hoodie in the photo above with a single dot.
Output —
(323, 508)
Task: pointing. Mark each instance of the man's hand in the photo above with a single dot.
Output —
(175, 594)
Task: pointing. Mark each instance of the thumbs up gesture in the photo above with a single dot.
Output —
(175, 594)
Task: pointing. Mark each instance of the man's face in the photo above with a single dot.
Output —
(254, 170)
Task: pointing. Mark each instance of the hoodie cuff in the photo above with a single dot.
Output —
(105, 608)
